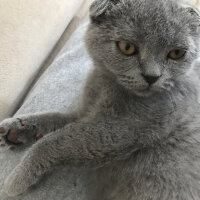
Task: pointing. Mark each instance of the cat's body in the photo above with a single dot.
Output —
(165, 163)
(145, 136)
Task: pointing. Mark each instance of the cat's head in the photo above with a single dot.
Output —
(146, 44)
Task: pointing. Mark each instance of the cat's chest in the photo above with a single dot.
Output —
(157, 119)
(158, 112)
(153, 113)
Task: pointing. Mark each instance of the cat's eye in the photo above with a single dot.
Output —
(126, 48)
(176, 54)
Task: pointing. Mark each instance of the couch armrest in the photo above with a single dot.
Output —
(28, 32)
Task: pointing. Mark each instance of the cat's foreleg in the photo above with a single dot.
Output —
(101, 142)
(27, 128)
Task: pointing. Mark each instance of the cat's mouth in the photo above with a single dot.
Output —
(145, 92)
(152, 89)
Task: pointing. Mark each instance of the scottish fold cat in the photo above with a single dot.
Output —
(140, 116)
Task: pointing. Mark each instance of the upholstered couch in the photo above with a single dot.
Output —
(29, 31)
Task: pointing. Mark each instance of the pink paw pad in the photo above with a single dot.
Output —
(23, 122)
(39, 135)
(12, 137)
(2, 130)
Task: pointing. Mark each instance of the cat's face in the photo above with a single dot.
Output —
(146, 44)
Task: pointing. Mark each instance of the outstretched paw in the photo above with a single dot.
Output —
(16, 131)
(17, 182)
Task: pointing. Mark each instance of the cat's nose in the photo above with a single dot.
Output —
(150, 79)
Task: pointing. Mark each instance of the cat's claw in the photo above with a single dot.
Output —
(39, 135)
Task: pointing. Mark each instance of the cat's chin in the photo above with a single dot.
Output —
(148, 92)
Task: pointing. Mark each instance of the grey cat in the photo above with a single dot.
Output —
(140, 118)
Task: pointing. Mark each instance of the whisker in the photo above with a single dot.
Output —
(126, 81)
(127, 69)
(126, 77)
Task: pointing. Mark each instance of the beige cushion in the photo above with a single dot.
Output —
(29, 29)
(195, 2)
(78, 18)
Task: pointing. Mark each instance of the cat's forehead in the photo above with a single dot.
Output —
(160, 27)
(147, 20)
(155, 15)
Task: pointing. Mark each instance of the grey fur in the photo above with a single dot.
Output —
(143, 141)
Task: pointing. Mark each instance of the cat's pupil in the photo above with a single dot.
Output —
(128, 46)
(177, 52)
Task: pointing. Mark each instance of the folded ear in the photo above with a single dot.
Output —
(193, 13)
(195, 20)
(101, 8)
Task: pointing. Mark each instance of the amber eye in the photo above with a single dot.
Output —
(176, 54)
(127, 48)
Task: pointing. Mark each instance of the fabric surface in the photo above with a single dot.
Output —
(195, 2)
(59, 89)
(29, 30)
(74, 23)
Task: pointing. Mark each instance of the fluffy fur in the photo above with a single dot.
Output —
(144, 139)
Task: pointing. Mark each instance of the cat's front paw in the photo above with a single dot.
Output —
(17, 131)
(17, 182)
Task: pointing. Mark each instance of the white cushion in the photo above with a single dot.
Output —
(29, 30)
